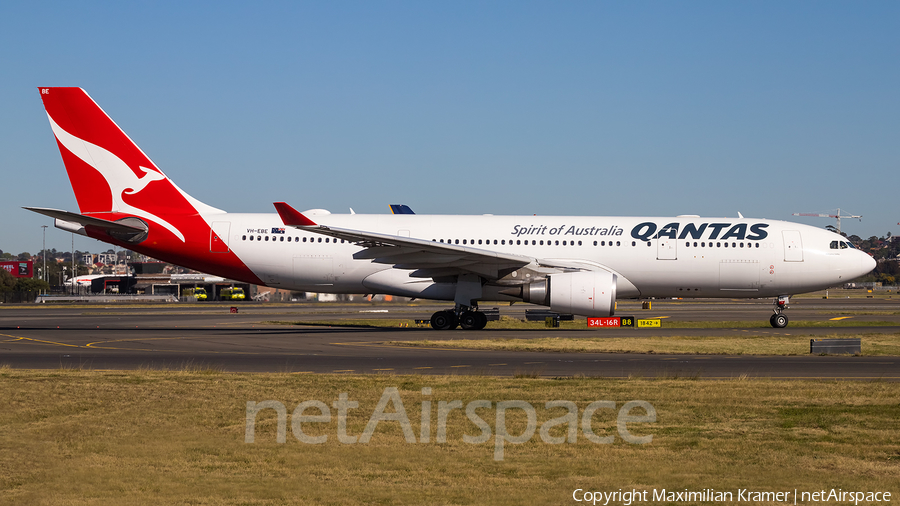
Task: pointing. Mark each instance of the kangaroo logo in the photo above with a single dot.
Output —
(118, 175)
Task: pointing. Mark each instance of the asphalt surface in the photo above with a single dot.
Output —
(174, 337)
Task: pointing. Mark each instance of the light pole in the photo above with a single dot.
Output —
(44, 251)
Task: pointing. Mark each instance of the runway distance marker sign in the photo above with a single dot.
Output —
(611, 321)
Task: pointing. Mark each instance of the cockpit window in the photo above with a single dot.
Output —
(841, 245)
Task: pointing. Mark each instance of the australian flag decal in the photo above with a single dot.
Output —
(277, 230)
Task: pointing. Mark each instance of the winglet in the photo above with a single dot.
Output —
(292, 217)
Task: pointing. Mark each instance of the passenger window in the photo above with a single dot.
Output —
(633, 243)
(533, 242)
(695, 244)
(495, 241)
(618, 243)
(503, 242)
(282, 238)
(304, 239)
(267, 238)
(579, 243)
(518, 242)
(464, 241)
(320, 239)
(244, 238)
(595, 243)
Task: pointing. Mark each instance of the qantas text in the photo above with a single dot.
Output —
(709, 231)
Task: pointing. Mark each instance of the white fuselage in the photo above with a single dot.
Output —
(651, 256)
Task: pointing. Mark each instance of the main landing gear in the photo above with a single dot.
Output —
(779, 320)
(469, 318)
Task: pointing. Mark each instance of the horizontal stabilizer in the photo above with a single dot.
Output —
(129, 229)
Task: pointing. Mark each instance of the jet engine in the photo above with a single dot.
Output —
(586, 293)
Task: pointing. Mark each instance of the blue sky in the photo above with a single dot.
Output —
(551, 108)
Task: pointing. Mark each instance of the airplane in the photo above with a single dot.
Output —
(83, 280)
(573, 264)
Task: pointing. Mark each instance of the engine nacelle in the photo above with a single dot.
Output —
(586, 293)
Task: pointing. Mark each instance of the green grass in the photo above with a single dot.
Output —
(177, 437)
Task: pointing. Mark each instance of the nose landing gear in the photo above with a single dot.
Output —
(779, 320)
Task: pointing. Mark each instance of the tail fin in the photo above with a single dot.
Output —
(125, 199)
(109, 173)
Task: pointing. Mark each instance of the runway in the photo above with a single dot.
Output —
(129, 337)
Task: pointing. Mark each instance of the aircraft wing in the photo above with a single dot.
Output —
(425, 258)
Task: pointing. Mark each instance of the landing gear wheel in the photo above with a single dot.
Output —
(482, 320)
(444, 320)
(473, 320)
(779, 321)
(469, 320)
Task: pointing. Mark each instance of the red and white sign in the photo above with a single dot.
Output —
(19, 268)
(610, 321)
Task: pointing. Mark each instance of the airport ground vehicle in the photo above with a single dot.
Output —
(235, 293)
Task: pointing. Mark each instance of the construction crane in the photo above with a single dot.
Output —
(837, 216)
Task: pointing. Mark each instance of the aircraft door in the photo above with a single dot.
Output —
(218, 236)
(793, 246)
(666, 248)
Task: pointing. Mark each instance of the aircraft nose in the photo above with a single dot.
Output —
(868, 264)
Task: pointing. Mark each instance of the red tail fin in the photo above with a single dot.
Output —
(108, 171)
(115, 182)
